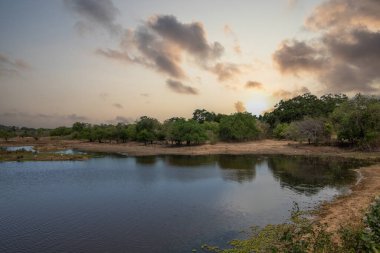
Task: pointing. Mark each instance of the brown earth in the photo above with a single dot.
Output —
(343, 210)
(350, 209)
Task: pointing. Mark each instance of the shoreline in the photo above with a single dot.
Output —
(345, 209)
(350, 209)
(259, 147)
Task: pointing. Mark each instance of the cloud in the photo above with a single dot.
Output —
(103, 95)
(292, 3)
(297, 56)
(285, 94)
(179, 87)
(120, 119)
(39, 119)
(345, 56)
(162, 42)
(226, 71)
(240, 107)
(74, 117)
(253, 85)
(94, 13)
(190, 37)
(9, 67)
(117, 105)
(340, 14)
(229, 32)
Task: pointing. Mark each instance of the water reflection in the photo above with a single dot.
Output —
(239, 168)
(146, 160)
(165, 204)
(299, 173)
(189, 161)
(310, 174)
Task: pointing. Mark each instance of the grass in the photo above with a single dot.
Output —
(22, 156)
(302, 235)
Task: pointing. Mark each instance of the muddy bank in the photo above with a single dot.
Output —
(350, 209)
(138, 149)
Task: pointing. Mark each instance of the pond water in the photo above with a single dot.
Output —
(155, 204)
(69, 152)
(20, 148)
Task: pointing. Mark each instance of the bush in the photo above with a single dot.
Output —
(302, 235)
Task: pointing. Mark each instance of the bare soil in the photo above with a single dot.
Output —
(350, 209)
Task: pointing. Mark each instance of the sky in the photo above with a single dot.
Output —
(110, 61)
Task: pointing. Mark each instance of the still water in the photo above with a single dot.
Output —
(155, 204)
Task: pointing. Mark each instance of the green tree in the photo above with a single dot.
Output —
(202, 115)
(299, 107)
(238, 127)
(357, 121)
(147, 129)
(4, 134)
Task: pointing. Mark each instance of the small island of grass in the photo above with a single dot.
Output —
(22, 155)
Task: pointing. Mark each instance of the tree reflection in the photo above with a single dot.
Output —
(189, 161)
(146, 160)
(310, 174)
(239, 168)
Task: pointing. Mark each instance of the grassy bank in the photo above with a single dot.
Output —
(302, 235)
(21, 156)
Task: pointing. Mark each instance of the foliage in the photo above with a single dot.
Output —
(302, 235)
(147, 129)
(61, 131)
(189, 131)
(6, 134)
(299, 107)
(310, 129)
(238, 127)
(323, 120)
(281, 130)
(357, 121)
(202, 115)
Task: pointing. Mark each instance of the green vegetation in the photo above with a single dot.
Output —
(302, 235)
(329, 119)
(7, 132)
(238, 127)
(22, 156)
(354, 121)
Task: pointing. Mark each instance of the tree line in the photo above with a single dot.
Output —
(331, 118)
(203, 127)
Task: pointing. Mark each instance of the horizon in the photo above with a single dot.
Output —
(113, 61)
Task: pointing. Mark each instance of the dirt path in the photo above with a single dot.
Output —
(350, 209)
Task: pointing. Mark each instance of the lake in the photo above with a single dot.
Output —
(158, 203)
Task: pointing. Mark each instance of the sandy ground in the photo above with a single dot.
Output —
(350, 209)
(343, 210)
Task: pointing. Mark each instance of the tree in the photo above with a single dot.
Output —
(202, 115)
(147, 129)
(180, 130)
(281, 131)
(357, 121)
(4, 134)
(61, 131)
(299, 107)
(79, 126)
(212, 131)
(238, 127)
(146, 136)
(310, 129)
